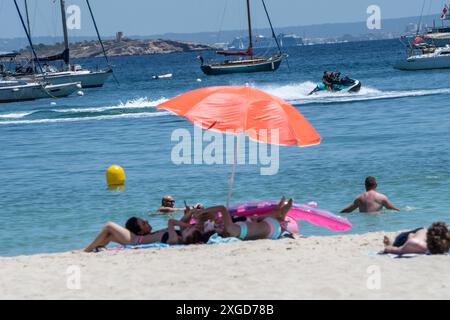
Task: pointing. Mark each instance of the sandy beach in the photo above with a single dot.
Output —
(339, 267)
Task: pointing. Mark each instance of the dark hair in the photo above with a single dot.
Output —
(438, 238)
(371, 183)
(195, 237)
(206, 236)
(133, 226)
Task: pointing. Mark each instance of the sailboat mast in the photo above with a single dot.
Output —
(271, 27)
(29, 30)
(250, 38)
(28, 35)
(66, 35)
(28, 17)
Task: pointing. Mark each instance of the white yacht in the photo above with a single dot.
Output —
(19, 90)
(429, 58)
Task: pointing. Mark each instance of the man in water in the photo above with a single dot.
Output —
(168, 205)
(434, 240)
(371, 200)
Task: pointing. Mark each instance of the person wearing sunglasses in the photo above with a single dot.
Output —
(168, 205)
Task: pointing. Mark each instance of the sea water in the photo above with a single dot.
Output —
(53, 157)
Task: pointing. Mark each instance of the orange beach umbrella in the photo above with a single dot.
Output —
(244, 110)
(239, 109)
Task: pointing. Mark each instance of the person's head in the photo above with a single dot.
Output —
(438, 238)
(138, 226)
(371, 183)
(167, 201)
(192, 235)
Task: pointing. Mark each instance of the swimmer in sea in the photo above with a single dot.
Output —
(434, 240)
(168, 205)
(371, 200)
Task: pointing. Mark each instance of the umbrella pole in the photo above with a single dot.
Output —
(233, 173)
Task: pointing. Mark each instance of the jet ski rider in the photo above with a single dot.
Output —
(330, 78)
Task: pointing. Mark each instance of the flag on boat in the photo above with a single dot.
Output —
(445, 12)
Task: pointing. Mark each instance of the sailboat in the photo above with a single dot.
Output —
(430, 50)
(20, 90)
(71, 72)
(439, 36)
(248, 61)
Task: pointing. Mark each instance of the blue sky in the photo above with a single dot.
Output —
(148, 17)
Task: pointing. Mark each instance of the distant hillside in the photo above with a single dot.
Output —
(125, 47)
(351, 31)
(357, 30)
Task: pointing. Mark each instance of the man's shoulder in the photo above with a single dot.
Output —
(381, 196)
(361, 196)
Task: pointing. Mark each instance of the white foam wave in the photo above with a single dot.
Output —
(139, 103)
(15, 115)
(298, 93)
(106, 117)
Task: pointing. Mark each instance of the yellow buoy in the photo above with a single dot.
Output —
(115, 176)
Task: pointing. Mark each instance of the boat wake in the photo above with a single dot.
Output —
(299, 94)
(136, 108)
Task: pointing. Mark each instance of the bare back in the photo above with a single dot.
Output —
(371, 201)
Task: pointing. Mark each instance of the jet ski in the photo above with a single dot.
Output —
(345, 84)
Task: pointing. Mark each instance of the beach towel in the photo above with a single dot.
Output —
(216, 239)
(142, 246)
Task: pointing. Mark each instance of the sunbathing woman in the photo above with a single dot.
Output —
(269, 226)
(434, 240)
(138, 232)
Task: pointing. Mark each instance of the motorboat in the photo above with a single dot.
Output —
(431, 58)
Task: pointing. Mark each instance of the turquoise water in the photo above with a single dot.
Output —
(53, 157)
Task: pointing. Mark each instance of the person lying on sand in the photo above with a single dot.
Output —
(138, 232)
(434, 240)
(371, 200)
(269, 226)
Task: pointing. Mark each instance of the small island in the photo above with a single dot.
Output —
(117, 47)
